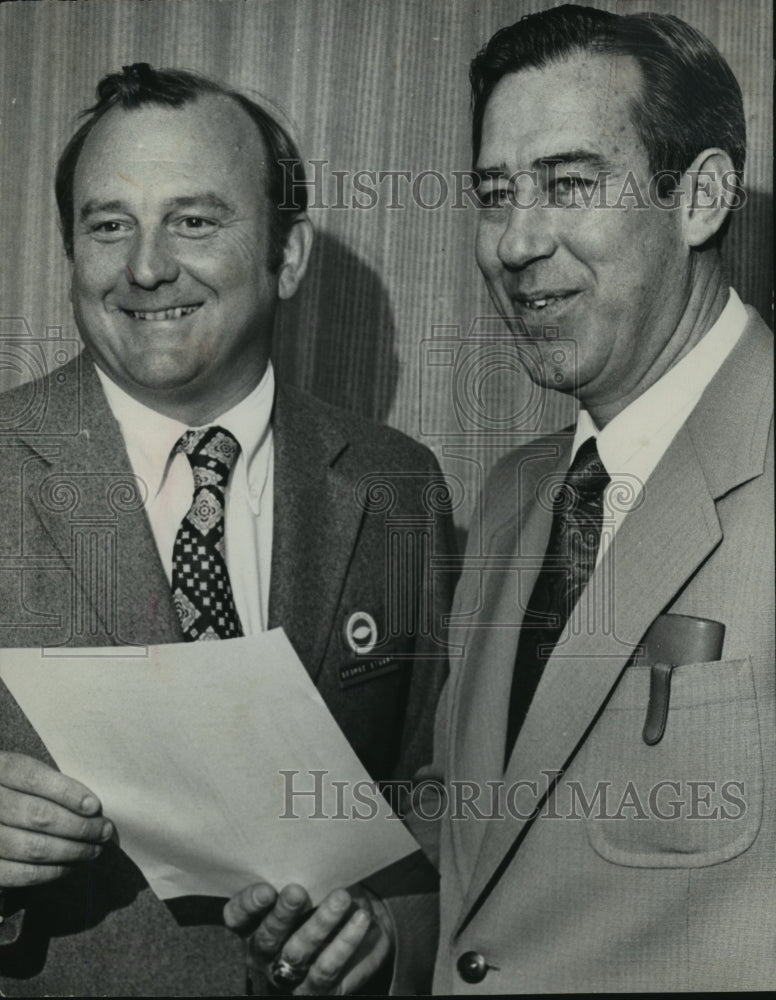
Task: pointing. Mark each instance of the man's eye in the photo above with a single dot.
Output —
(573, 189)
(108, 229)
(194, 226)
(493, 197)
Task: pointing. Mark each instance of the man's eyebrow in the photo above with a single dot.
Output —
(572, 158)
(565, 158)
(491, 173)
(94, 205)
(207, 198)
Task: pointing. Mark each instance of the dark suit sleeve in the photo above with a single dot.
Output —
(411, 888)
(430, 665)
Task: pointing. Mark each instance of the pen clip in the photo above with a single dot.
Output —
(659, 698)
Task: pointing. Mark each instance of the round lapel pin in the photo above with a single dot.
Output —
(361, 632)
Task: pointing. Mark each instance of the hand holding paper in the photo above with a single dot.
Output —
(337, 948)
(190, 746)
(48, 822)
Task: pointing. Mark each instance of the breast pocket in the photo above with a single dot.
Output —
(693, 799)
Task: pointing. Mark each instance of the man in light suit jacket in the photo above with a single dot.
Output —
(601, 804)
(170, 198)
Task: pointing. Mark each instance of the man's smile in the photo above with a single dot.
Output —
(542, 300)
(159, 315)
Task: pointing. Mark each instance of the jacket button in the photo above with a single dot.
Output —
(472, 967)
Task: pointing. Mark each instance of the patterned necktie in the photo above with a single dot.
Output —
(201, 590)
(568, 562)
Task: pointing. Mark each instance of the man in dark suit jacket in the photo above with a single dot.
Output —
(606, 741)
(179, 253)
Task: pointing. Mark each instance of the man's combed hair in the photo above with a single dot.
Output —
(690, 99)
(139, 86)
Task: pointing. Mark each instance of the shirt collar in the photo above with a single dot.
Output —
(651, 417)
(150, 436)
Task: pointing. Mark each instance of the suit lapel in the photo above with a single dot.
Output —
(503, 588)
(315, 524)
(91, 507)
(657, 549)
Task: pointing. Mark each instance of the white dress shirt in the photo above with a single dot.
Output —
(633, 442)
(169, 484)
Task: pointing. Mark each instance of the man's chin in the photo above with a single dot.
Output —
(165, 381)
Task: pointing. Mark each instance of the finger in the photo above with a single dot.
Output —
(302, 946)
(25, 774)
(36, 848)
(288, 912)
(30, 812)
(245, 909)
(328, 969)
(17, 875)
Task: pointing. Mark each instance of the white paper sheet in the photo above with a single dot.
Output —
(184, 747)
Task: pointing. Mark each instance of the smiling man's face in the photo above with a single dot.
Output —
(171, 287)
(615, 281)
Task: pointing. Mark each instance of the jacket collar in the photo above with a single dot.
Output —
(90, 504)
(316, 521)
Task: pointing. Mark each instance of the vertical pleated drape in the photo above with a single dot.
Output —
(384, 319)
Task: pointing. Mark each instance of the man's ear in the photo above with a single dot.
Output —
(296, 254)
(711, 189)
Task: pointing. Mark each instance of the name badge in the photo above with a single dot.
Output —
(366, 670)
(360, 634)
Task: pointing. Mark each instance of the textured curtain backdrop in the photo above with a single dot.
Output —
(369, 85)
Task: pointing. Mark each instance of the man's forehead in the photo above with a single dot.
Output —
(157, 132)
(580, 103)
(205, 143)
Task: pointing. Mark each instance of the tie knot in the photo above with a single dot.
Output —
(211, 447)
(587, 473)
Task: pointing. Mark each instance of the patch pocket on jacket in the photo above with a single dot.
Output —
(693, 799)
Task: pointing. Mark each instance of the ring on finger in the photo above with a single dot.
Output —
(287, 975)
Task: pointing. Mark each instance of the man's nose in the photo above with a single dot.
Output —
(152, 261)
(529, 235)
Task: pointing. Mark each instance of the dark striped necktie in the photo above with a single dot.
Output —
(570, 558)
